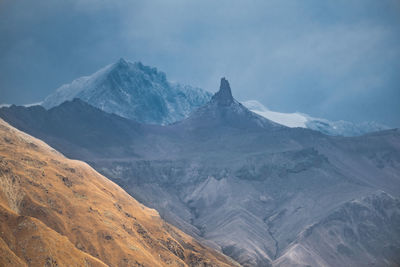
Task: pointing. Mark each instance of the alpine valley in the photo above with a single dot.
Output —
(260, 192)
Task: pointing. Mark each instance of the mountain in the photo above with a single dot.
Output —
(96, 126)
(223, 110)
(367, 226)
(250, 187)
(143, 94)
(60, 212)
(343, 128)
(134, 91)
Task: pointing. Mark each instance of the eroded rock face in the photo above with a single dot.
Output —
(224, 96)
(60, 212)
(360, 232)
(245, 184)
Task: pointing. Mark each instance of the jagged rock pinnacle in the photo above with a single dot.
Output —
(224, 96)
(121, 63)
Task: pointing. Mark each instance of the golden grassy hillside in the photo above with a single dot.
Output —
(60, 212)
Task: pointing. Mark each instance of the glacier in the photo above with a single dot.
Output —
(342, 128)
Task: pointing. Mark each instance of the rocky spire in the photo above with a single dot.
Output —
(121, 63)
(224, 96)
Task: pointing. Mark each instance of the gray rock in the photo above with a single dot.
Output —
(262, 193)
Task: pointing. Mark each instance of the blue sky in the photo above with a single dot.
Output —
(334, 59)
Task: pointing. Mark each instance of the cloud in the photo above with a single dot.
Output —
(328, 59)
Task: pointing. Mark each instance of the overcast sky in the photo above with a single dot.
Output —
(336, 59)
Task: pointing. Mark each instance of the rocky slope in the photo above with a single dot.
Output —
(134, 91)
(60, 212)
(361, 232)
(234, 178)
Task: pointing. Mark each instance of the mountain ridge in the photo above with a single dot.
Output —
(57, 212)
(224, 110)
(132, 90)
(339, 128)
(227, 170)
(143, 93)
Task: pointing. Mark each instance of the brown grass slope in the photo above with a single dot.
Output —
(60, 212)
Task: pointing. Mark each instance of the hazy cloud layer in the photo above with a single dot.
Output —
(334, 59)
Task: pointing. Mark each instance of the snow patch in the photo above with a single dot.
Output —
(33, 104)
(325, 126)
(288, 119)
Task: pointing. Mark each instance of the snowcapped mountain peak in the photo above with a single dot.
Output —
(122, 62)
(134, 91)
(138, 69)
(144, 94)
